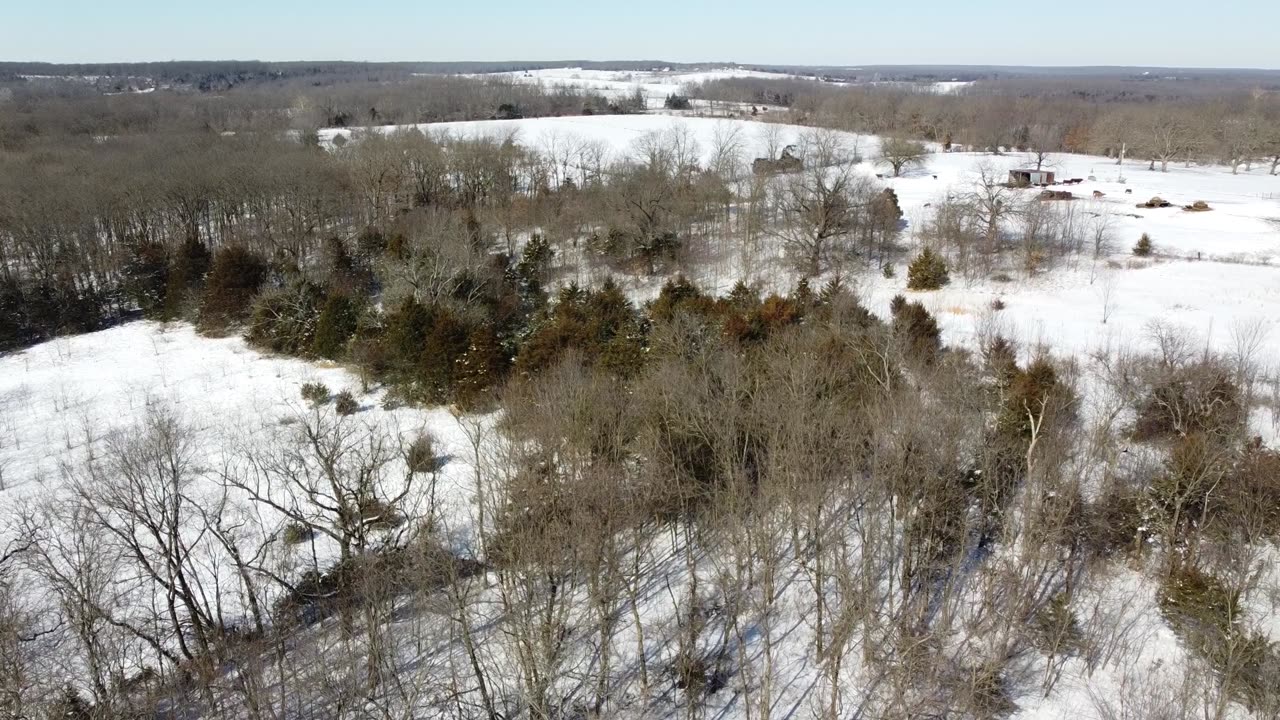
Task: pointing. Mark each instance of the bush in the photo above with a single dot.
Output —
(480, 369)
(535, 260)
(234, 279)
(315, 393)
(344, 403)
(1034, 391)
(1144, 248)
(998, 304)
(1197, 398)
(1115, 522)
(1205, 614)
(927, 272)
(284, 319)
(296, 533)
(336, 325)
(1186, 492)
(186, 276)
(887, 271)
(421, 454)
(677, 102)
(916, 330)
(146, 277)
(379, 515)
(1000, 359)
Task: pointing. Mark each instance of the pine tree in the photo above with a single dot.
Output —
(927, 272)
(234, 279)
(335, 326)
(146, 277)
(1144, 248)
(480, 369)
(186, 275)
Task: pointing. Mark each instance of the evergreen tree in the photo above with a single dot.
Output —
(480, 369)
(336, 325)
(186, 275)
(927, 272)
(234, 278)
(1145, 247)
(146, 277)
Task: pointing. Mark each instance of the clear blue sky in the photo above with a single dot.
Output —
(1230, 33)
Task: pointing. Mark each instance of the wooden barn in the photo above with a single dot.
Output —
(1030, 177)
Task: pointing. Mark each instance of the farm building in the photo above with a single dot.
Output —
(1030, 177)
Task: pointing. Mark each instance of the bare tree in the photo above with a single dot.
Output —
(817, 208)
(901, 153)
(1042, 142)
(1167, 136)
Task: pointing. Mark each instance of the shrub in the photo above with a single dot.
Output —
(315, 393)
(1144, 248)
(535, 260)
(15, 325)
(296, 533)
(186, 275)
(998, 304)
(887, 271)
(445, 343)
(234, 279)
(1034, 391)
(1000, 358)
(421, 454)
(1183, 493)
(1197, 398)
(927, 272)
(916, 330)
(480, 369)
(380, 515)
(146, 277)
(1055, 629)
(985, 691)
(1205, 613)
(71, 705)
(284, 319)
(1115, 522)
(344, 403)
(335, 326)
(677, 102)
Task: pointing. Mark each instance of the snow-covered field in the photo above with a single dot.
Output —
(618, 135)
(63, 402)
(655, 84)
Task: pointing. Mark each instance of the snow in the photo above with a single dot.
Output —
(618, 134)
(655, 85)
(60, 402)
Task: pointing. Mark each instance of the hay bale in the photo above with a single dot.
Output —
(1198, 206)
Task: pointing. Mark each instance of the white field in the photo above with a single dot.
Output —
(655, 84)
(60, 400)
